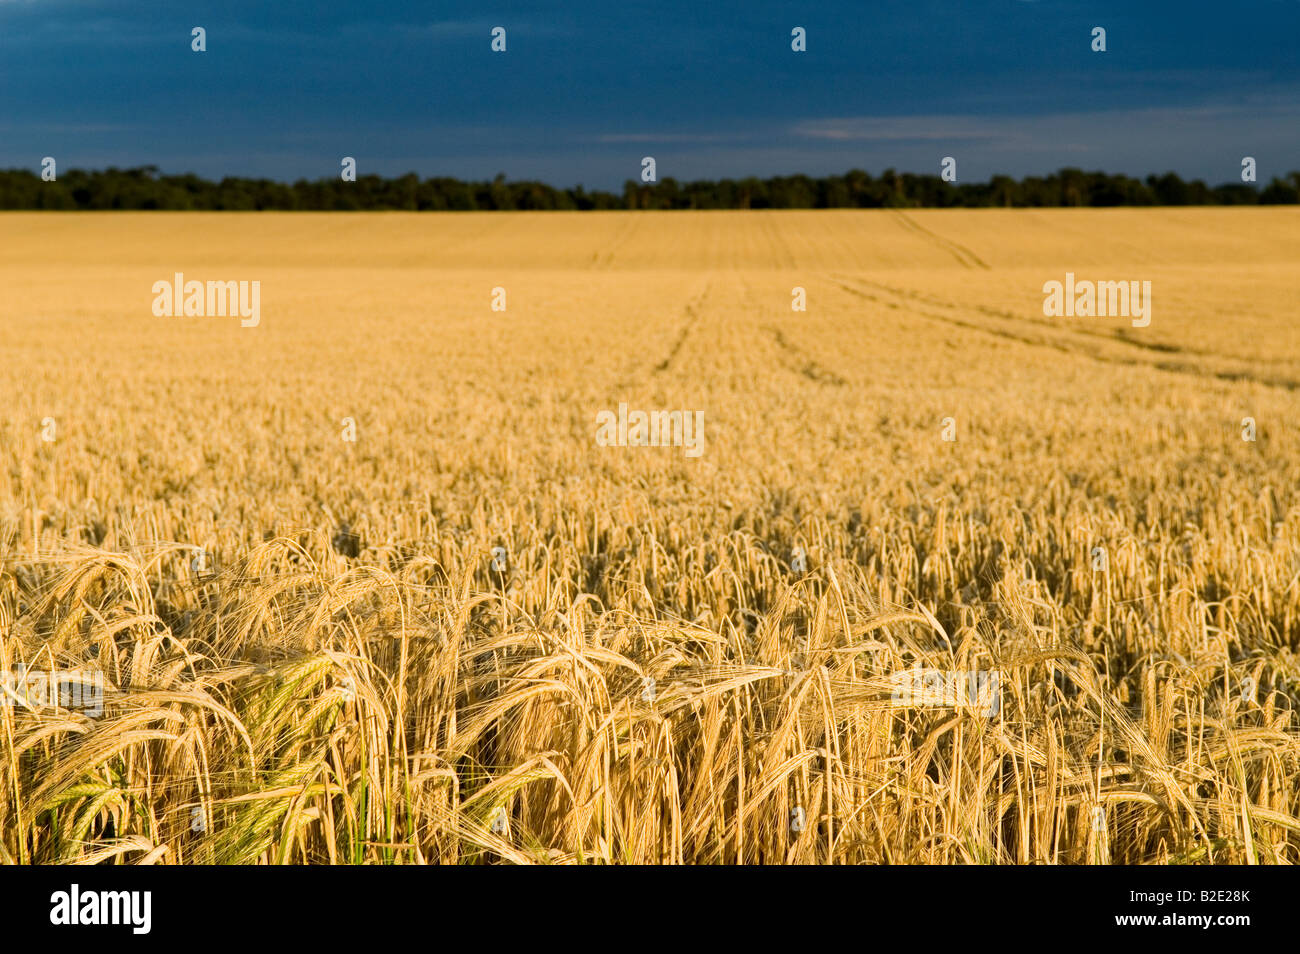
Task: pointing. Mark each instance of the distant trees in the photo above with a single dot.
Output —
(1282, 191)
(145, 188)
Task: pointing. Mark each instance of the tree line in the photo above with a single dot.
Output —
(145, 188)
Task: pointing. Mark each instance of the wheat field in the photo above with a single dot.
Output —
(475, 635)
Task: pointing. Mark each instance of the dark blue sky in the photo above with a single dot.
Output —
(712, 89)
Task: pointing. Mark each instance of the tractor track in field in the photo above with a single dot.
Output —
(1066, 341)
(960, 252)
(1122, 336)
(692, 310)
(602, 261)
(789, 355)
(800, 363)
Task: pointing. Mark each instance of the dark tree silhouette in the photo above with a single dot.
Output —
(145, 188)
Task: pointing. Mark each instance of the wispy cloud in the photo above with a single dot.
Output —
(1059, 132)
(664, 137)
(68, 128)
(894, 129)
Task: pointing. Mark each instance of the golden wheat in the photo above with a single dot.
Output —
(347, 676)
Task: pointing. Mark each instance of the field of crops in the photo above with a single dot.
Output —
(476, 633)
